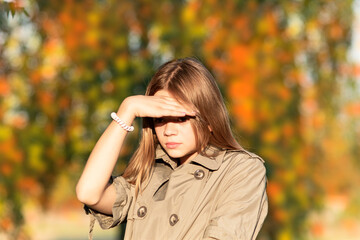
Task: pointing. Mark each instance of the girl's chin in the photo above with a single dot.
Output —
(182, 157)
(174, 154)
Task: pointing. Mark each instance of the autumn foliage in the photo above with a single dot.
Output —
(281, 66)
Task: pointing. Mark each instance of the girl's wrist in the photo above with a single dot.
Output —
(126, 112)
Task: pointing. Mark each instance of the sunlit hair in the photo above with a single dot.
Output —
(190, 83)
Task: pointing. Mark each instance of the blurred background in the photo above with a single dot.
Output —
(289, 71)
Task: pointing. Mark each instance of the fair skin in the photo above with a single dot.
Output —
(92, 188)
(175, 134)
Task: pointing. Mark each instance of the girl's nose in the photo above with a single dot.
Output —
(170, 129)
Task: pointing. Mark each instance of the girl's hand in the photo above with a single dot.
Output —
(155, 106)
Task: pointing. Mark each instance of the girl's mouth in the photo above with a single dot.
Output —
(172, 145)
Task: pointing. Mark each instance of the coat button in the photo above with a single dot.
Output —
(173, 219)
(142, 211)
(199, 174)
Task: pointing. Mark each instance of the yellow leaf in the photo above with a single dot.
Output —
(5, 133)
(35, 157)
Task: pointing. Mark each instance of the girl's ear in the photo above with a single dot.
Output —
(210, 129)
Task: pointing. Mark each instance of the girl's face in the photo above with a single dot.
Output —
(176, 135)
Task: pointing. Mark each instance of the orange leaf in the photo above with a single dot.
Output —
(4, 87)
(6, 169)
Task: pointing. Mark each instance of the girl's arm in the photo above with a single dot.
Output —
(93, 188)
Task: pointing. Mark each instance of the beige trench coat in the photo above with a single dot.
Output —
(221, 197)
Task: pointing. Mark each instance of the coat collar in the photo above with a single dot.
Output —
(210, 159)
(161, 154)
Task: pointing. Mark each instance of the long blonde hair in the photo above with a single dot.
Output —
(190, 82)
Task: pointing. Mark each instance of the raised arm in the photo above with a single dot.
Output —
(93, 188)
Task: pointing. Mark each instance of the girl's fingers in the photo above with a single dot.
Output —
(176, 111)
(155, 106)
(179, 108)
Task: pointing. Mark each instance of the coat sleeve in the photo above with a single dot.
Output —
(120, 208)
(242, 206)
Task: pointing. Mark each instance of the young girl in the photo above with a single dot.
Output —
(189, 178)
